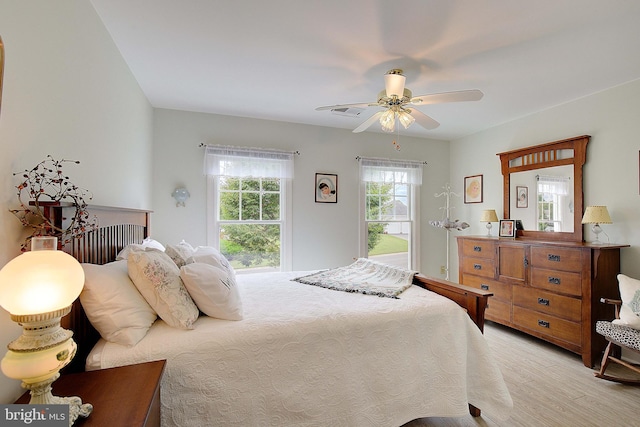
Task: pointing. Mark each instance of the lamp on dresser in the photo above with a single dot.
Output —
(37, 289)
(596, 215)
(489, 216)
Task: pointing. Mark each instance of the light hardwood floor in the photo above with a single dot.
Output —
(550, 387)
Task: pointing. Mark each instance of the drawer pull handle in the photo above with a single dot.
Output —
(484, 287)
(477, 267)
(477, 248)
(552, 257)
(526, 263)
(543, 301)
(543, 323)
(554, 280)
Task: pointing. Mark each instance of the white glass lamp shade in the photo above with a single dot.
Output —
(40, 282)
(388, 120)
(394, 83)
(406, 119)
(596, 215)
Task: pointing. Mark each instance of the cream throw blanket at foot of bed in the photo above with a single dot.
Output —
(363, 276)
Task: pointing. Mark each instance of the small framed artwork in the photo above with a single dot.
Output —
(473, 189)
(326, 188)
(522, 194)
(507, 228)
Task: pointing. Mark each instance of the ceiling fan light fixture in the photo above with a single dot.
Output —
(406, 119)
(394, 83)
(388, 120)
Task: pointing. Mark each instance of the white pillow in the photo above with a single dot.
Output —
(213, 289)
(148, 242)
(113, 304)
(180, 254)
(158, 279)
(212, 256)
(630, 295)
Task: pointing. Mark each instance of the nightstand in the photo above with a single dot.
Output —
(123, 396)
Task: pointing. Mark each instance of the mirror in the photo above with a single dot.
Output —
(555, 168)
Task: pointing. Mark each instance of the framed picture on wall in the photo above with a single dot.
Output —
(522, 197)
(473, 189)
(507, 228)
(326, 188)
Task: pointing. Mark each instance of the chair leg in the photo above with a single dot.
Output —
(605, 361)
(607, 357)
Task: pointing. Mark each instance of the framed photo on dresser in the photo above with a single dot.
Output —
(507, 228)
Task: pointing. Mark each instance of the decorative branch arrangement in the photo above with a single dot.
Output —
(46, 184)
(445, 222)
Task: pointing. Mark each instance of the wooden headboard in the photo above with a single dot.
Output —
(117, 228)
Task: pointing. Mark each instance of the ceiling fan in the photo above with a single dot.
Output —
(398, 103)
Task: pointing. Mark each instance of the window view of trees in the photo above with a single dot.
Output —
(250, 221)
(387, 215)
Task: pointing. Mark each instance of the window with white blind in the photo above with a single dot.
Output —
(249, 207)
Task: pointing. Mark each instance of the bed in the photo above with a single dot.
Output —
(304, 355)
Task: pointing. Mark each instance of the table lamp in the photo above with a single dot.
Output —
(489, 216)
(596, 215)
(37, 289)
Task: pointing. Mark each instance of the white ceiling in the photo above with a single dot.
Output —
(280, 59)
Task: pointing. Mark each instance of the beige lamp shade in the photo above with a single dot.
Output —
(40, 282)
(596, 215)
(489, 215)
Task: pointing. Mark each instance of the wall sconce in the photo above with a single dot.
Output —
(37, 289)
(596, 215)
(181, 195)
(489, 216)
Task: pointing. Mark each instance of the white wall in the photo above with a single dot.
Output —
(610, 173)
(68, 93)
(324, 235)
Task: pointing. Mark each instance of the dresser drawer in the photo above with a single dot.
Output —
(547, 325)
(479, 266)
(546, 302)
(557, 281)
(500, 291)
(556, 258)
(478, 248)
(498, 311)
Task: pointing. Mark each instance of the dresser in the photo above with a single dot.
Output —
(550, 290)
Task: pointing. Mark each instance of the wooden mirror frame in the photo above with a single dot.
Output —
(544, 156)
(1, 68)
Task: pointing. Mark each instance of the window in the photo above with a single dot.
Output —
(389, 211)
(551, 192)
(249, 207)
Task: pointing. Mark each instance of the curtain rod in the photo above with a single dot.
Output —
(417, 162)
(236, 147)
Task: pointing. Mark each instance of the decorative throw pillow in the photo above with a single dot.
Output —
(180, 254)
(158, 279)
(213, 289)
(630, 294)
(113, 304)
(146, 243)
(212, 256)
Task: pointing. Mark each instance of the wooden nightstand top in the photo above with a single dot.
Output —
(123, 396)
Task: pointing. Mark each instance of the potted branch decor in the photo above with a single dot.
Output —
(46, 185)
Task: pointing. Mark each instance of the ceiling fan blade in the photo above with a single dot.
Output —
(422, 119)
(371, 120)
(358, 105)
(441, 98)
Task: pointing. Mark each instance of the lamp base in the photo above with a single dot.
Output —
(41, 395)
(489, 225)
(597, 230)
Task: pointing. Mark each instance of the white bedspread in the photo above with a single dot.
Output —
(309, 356)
